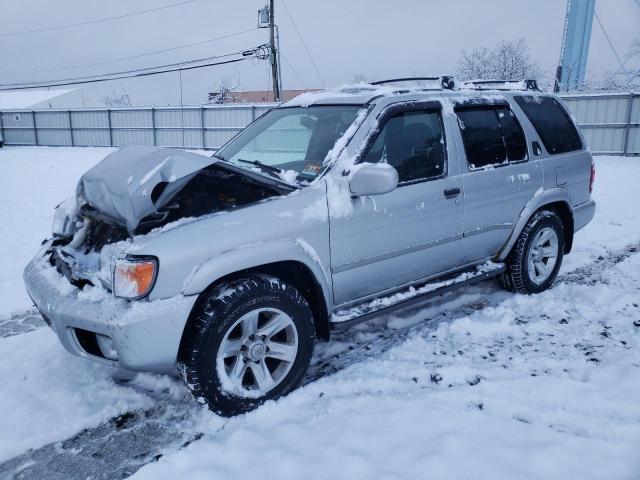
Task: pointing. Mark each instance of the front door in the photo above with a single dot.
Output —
(413, 232)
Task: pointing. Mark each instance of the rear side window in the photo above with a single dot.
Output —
(513, 135)
(491, 136)
(413, 142)
(556, 130)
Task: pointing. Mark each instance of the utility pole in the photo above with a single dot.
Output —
(274, 54)
(574, 49)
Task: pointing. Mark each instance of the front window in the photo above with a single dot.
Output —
(290, 143)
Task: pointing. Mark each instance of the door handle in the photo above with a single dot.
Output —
(451, 192)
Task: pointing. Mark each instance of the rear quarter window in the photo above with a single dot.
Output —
(551, 121)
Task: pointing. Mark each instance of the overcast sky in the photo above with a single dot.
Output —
(378, 39)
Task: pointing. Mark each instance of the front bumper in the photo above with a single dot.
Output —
(146, 335)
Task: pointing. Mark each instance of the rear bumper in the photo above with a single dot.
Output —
(583, 214)
(146, 335)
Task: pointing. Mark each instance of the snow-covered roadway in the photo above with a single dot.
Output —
(477, 384)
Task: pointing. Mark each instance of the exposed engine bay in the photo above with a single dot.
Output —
(213, 189)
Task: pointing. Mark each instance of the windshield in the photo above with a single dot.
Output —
(290, 143)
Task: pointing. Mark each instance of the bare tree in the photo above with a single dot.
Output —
(223, 90)
(508, 60)
(626, 77)
(114, 99)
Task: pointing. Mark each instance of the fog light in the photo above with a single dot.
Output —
(107, 347)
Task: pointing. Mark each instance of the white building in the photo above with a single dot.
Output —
(41, 99)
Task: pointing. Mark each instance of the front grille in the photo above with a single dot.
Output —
(66, 271)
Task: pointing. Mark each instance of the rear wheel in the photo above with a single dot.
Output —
(252, 341)
(534, 261)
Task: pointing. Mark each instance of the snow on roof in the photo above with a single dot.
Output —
(352, 94)
(17, 99)
(363, 93)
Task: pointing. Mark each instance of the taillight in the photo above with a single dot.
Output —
(593, 176)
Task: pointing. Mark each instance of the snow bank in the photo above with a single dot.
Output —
(49, 395)
(33, 181)
(512, 387)
(515, 391)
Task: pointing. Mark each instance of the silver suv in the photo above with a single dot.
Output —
(331, 209)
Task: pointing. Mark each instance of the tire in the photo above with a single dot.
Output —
(523, 273)
(231, 383)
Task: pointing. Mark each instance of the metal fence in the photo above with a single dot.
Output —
(610, 123)
(206, 127)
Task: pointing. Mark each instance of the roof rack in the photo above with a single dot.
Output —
(501, 85)
(445, 82)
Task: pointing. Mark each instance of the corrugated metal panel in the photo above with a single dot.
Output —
(609, 140)
(134, 118)
(189, 118)
(90, 119)
(228, 117)
(598, 110)
(132, 137)
(634, 141)
(54, 137)
(179, 138)
(53, 119)
(215, 139)
(635, 110)
(17, 119)
(19, 137)
(91, 138)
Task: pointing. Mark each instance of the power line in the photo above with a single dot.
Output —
(131, 57)
(140, 72)
(606, 35)
(121, 72)
(302, 42)
(302, 82)
(99, 20)
(144, 74)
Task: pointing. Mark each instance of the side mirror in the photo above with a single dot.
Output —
(373, 179)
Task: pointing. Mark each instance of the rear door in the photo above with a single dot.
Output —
(413, 232)
(499, 175)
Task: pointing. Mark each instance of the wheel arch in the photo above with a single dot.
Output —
(555, 199)
(297, 268)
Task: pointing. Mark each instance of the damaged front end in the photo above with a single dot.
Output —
(138, 189)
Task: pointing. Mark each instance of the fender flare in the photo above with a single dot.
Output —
(257, 255)
(546, 197)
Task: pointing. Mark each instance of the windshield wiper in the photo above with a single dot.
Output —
(261, 166)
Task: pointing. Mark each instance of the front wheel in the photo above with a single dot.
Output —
(534, 261)
(252, 341)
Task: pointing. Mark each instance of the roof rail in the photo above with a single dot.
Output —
(445, 82)
(501, 85)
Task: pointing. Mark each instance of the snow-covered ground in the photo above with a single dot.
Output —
(494, 386)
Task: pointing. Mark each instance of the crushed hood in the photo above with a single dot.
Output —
(121, 185)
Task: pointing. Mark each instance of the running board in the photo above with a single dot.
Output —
(345, 318)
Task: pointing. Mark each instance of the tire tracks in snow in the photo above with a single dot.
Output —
(22, 322)
(385, 338)
(122, 445)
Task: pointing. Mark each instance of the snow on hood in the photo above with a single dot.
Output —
(120, 186)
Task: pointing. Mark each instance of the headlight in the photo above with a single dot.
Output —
(134, 276)
(64, 218)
